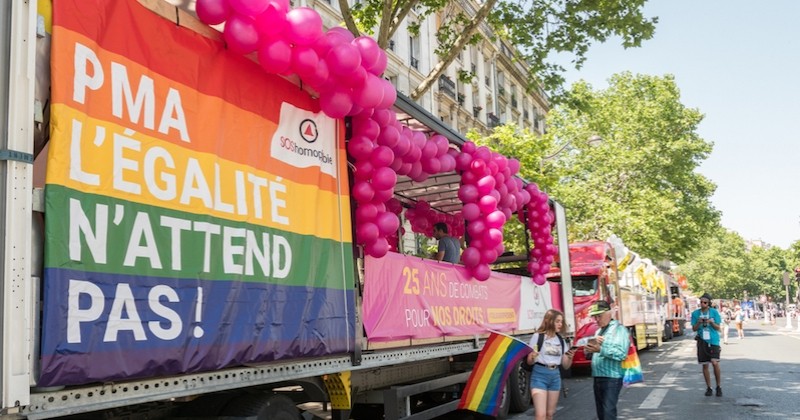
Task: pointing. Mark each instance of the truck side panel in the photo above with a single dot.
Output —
(190, 224)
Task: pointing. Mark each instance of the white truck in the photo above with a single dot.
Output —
(170, 268)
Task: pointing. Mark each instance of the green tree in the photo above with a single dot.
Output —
(641, 181)
(538, 29)
(719, 267)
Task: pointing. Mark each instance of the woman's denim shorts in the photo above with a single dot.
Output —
(544, 378)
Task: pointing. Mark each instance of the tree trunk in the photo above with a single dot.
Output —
(458, 45)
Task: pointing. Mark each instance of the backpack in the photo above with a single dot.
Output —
(539, 343)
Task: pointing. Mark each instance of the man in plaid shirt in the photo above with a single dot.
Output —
(607, 349)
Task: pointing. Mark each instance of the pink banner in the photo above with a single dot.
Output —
(409, 297)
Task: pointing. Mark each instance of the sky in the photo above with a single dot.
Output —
(737, 62)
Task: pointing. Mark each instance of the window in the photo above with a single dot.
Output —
(414, 51)
(584, 285)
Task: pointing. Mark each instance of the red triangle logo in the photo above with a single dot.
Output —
(309, 131)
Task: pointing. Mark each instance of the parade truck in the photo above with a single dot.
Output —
(179, 238)
(630, 284)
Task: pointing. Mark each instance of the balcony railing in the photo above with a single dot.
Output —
(501, 92)
(447, 86)
(461, 99)
(415, 63)
(391, 44)
(514, 101)
(473, 68)
(476, 111)
(492, 120)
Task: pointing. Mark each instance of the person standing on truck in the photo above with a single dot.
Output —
(549, 352)
(706, 321)
(607, 349)
(449, 247)
(677, 306)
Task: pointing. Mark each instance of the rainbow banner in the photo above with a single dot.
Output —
(484, 390)
(197, 209)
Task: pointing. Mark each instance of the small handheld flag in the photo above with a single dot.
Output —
(485, 385)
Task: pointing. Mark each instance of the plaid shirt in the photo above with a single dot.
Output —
(608, 362)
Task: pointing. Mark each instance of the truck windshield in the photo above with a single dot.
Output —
(584, 285)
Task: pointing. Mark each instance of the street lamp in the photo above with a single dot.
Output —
(593, 140)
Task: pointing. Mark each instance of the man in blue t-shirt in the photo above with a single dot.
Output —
(449, 248)
(707, 322)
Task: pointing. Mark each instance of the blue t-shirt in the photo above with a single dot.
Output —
(451, 248)
(712, 314)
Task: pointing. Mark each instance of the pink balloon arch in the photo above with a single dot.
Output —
(346, 71)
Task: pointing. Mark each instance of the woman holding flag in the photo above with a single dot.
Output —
(549, 353)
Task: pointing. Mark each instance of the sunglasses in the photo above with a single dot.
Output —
(704, 302)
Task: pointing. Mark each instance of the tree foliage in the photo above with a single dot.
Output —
(537, 28)
(724, 267)
(640, 182)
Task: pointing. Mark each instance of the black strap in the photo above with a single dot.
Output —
(540, 341)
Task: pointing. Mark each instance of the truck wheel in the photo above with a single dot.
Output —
(519, 389)
(263, 407)
(505, 403)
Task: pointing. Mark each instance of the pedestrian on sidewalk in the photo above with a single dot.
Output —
(738, 320)
(607, 349)
(727, 317)
(706, 321)
(549, 352)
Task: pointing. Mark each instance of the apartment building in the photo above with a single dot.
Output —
(495, 95)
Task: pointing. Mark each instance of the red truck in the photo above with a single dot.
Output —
(631, 285)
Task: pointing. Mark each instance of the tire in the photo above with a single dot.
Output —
(263, 407)
(519, 389)
(505, 403)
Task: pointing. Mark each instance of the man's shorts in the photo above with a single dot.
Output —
(707, 352)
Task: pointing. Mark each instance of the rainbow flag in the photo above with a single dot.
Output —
(484, 389)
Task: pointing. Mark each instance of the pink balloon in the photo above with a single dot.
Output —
(383, 195)
(364, 170)
(468, 147)
(481, 272)
(275, 56)
(368, 49)
(366, 127)
(367, 232)
(343, 59)
(476, 229)
(492, 237)
(448, 163)
(429, 150)
(355, 79)
(363, 191)
(380, 66)
(485, 185)
(471, 257)
(431, 165)
(495, 219)
(336, 103)
(539, 280)
(382, 156)
(384, 178)
(213, 12)
(240, 34)
(463, 161)
(389, 95)
(487, 203)
(389, 137)
(272, 22)
(378, 248)
(304, 60)
(305, 25)
(384, 117)
(488, 256)
(387, 223)
(360, 147)
(468, 193)
(366, 212)
(249, 7)
(470, 211)
(319, 80)
(340, 35)
(370, 94)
